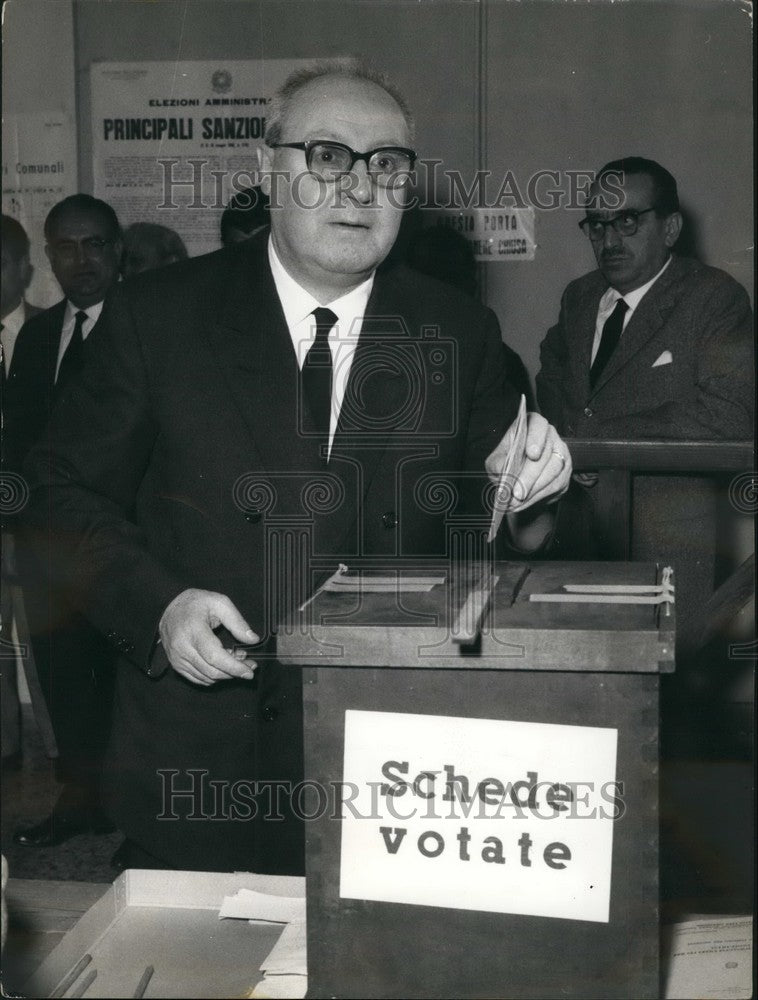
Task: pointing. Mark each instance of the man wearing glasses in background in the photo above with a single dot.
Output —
(74, 663)
(284, 381)
(651, 345)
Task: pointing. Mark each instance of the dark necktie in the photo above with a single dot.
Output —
(317, 373)
(72, 359)
(608, 340)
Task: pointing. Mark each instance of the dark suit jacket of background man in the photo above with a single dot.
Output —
(184, 427)
(700, 315)
(73, 661)
(9, 703)
(29, 391)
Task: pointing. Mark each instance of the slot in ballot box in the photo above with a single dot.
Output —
(489, 735)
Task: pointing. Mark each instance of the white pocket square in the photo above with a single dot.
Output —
(665, 359)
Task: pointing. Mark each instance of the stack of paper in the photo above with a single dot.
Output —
(710, 958)
(285, 970)
(247, 904)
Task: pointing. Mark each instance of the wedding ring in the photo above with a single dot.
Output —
(559, 455)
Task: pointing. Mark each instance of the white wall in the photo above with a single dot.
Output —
(574, 85)
(38, 78)
(539, 84)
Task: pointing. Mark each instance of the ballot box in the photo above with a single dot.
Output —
(481, 753)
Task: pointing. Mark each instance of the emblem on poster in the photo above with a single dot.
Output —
(221, 81)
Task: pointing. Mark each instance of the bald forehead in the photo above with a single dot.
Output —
(80, 218)
(635, 191)
(329, 104)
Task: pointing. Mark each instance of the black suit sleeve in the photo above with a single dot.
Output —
(28, 390)
(495, 401)
(552, 381)
(85, 479)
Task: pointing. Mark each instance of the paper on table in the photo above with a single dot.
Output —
(342, 580)
(599, 598)
(361, 583)
(247, 904)
(512, 466)
(281, 988)
(289, 954)
(710, 958)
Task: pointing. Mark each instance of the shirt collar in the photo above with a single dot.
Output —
(15, 319)
(634, 297)
(93, 312)
(298, 304)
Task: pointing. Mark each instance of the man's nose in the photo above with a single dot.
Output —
(360, 185)
(610, 237)
(80, 253)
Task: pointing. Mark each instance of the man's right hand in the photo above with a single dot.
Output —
(186, 631)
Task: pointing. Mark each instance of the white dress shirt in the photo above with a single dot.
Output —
(69, 322)
(298, 306)
(12, 324)
(608, 304)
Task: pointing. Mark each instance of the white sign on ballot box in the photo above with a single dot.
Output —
(479, 814)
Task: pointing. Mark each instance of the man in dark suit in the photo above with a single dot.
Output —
(244, 422)
(74, 664)
(14, 312)
(651, 345)
(16, 275)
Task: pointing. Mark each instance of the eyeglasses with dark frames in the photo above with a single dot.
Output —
(625, 224)
(329, 161)
(90, 246)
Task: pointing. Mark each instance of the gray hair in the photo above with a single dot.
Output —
(353, 69)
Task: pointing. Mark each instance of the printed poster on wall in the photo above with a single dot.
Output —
(479, 814)
(173, 141)
(494, 234)
(39, 169)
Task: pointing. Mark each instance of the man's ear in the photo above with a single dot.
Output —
(265, 166)
(673, 228)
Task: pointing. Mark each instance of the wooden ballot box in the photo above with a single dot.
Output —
(481, 753)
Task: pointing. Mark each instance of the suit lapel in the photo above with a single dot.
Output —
(254, 352)
(385, 370)
(581, 357)
(54, 331)
(647, 319)
(378, 384)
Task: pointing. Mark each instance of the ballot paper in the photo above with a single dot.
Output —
(281, 988)
(285, 968)
(710, 958)
(345, 582)
(289, 954)
(368, 583)
(246, 904)
(365, 583)
(507, 495)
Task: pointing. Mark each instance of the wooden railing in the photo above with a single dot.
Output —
(697, 457)
(618, 462)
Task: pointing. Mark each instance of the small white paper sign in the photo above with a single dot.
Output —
(493, 234)
(479, 814)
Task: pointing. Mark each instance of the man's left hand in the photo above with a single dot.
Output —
(546, 472)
